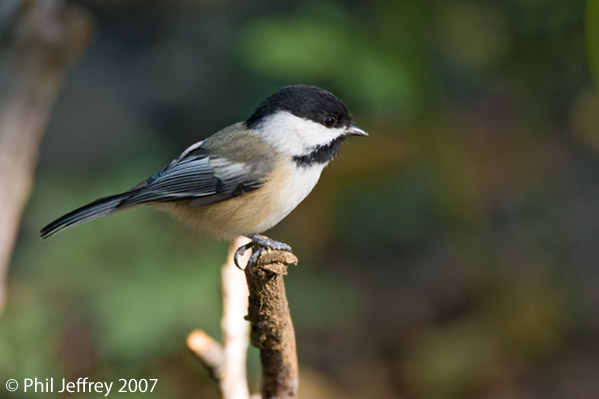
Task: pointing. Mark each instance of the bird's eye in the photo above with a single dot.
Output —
(330, 121)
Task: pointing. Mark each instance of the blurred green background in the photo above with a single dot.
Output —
(452, 254)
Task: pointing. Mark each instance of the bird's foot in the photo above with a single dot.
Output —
(258, 244)
(240, 252)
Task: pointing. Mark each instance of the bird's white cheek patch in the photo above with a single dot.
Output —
(296, 136)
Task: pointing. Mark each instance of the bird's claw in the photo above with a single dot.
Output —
(258, 244)
(240, 252)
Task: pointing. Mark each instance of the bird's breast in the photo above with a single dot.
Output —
(256, 211)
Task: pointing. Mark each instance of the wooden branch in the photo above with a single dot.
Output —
(227, 361)
(272, 328)
(39, 41)
(208, 351)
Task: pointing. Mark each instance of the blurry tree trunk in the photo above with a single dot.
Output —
(39, 41)
(227, 361)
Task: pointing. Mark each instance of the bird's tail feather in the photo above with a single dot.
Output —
(101, 207)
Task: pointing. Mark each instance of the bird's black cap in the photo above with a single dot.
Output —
(308, 102)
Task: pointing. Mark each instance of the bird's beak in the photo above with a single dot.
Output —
(353, 130)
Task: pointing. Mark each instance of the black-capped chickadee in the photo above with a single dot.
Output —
(247, 177)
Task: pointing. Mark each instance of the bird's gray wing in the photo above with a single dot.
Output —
(199, 176)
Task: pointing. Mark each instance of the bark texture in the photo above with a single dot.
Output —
(271, 325)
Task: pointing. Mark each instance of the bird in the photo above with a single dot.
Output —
(247, 177)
